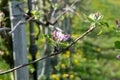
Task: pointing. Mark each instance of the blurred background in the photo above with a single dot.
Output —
(92, 58)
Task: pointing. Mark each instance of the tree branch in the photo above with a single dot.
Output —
(4, 29)
(20, 22)
(92, 27)
(54, 20)
(51, 22)
(65, 10)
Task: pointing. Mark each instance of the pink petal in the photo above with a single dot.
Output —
(66, 37)
(54, 36)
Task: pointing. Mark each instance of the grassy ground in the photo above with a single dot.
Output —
(99, 50)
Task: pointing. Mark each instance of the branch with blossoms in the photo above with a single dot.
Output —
(59, 36)
(92, 27)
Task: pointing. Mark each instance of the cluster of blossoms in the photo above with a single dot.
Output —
(58, 35)
(96, 16)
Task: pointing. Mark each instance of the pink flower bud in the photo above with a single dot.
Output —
(118, 56)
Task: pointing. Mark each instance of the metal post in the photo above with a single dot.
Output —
(19, 40)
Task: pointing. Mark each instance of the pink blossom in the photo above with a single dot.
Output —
(66, 37)
(54, 35)
(60, 36)
(118, 56)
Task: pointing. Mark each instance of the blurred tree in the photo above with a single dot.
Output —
(5, 37)
(52, 9)
(44, 66)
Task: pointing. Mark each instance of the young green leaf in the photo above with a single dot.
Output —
(90, 19)
(33, 12)
(100, 32)
(105, 24)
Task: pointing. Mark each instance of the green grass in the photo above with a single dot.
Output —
(3, 67)
(101, 63)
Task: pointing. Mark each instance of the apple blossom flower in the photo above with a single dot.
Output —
(58, 35)
(54, 35)
(66, 37)
(96, 16)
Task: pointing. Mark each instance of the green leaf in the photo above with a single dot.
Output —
(33, 12)
(63, 44)
(55, 6)
(90, 19)
(100, 32)
(117, 44)
(104, 23)
(50, 41)
(46, 36)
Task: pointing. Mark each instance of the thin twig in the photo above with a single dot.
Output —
(60, 15)
(92, 27)
(52, 22)
(83, 35)
(20, 22)
(4, 29)
(15, 27)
